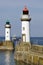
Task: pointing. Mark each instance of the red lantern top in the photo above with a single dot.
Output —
(25, 9)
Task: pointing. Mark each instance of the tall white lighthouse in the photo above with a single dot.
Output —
(25, 25)
(7, 31)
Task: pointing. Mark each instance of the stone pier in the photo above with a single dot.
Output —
(7, 45)
(29, 55)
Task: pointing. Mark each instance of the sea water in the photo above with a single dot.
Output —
(7, 57)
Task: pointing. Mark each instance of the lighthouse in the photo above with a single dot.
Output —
(7, 31)
(25, 19)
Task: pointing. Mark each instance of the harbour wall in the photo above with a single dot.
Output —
(33, 55)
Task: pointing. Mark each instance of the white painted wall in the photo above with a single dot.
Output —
(27, 30)
(7, 35)
(25, 16)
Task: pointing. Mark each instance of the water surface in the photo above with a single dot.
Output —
(7, 58)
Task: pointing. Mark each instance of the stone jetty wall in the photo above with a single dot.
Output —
(6, 45)
(28, 55)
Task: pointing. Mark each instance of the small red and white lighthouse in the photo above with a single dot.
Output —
(25, 25)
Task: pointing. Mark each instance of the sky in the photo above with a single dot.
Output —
(12, 10)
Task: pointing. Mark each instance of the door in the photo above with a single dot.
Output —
(23, 37)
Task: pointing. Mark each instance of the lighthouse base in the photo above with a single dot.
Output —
(6, 45)
(23, 46)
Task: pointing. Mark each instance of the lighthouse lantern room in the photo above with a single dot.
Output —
(7, 31)
(25, 25)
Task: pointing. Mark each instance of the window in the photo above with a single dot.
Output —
(7, 32)
(23, 28)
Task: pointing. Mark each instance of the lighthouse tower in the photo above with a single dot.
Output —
(7, 31)
(25, 25)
